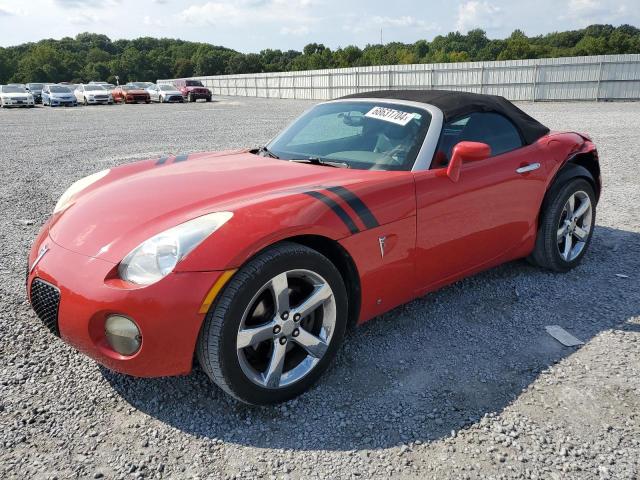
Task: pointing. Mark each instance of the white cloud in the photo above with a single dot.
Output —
(404, 21)
(153, 22)
(301, 30)
(86, 3)
(84, 18)
(588, 12)
(477, 14)
(289, 17)
(9, 11)
(249, 12)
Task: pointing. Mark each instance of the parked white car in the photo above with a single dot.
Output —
(165, 93)
(15, 96)
(88, 94)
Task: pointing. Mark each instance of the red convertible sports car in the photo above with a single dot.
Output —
(256, 261)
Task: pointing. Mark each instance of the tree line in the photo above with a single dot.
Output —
(91, 56)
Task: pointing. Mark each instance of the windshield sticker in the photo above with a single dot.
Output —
(390, 115)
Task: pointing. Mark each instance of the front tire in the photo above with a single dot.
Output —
(566, 226)
(276, 326)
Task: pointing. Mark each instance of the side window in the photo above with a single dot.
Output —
(490, 128)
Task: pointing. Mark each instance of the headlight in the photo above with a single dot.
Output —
(76, 187)
(157, 257)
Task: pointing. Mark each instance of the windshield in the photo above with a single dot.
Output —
(364, 135)
(59, 89)
(35, 86)
(194, 83)
(93, 88)
(13, 89)
(167, 88)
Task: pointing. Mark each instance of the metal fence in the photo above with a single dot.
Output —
(603, 77)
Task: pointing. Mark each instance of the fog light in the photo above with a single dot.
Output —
(123, 335)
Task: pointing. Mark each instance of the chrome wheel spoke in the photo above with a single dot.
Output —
(315, 346)
(571, 203)
(584, 207)
(276, 364)
(319, 295)
(280, 288)
(568, 243)
(253, 336)
(561, 233)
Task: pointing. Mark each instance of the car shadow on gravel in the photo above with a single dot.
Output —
(425, 369)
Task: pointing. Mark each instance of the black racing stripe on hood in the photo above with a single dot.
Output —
(357, 205)
(337, 209)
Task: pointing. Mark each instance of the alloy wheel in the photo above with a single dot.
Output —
(574, 226)
(286, 328)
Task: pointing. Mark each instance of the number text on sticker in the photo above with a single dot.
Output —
(390, 115)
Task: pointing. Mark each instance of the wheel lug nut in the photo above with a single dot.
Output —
(296, 332)
(296, 317)
(276, 329)
(283, 340)
(284, 315)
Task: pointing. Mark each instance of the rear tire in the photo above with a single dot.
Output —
(291, 351)
(566, 226)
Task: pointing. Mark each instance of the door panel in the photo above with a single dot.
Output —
(490, 213)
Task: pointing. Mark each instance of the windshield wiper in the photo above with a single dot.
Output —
(321, 161)
(265, 152)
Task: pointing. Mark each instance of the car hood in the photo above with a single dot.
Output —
(171, 92)
(62, 95)
(135, 92)
(136, 201)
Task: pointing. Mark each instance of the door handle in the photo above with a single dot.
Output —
(528, 168)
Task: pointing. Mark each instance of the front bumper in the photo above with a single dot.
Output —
(20, 103)
(166, 312)
(98, 101)
(60, 102)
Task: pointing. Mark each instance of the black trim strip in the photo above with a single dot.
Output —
(357, 205)
(337, 209)
(181, 158)
(162, 160)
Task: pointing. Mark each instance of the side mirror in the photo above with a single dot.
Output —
(466, 152)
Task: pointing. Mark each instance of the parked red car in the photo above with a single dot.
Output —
(255, 261)
(193, 90)
(130, 94)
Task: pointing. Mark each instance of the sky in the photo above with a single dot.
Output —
(253, 25)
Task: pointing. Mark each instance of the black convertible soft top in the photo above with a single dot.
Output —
(454, 104)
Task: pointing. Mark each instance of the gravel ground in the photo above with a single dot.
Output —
(463, 383)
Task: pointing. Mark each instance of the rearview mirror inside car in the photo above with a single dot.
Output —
(466, 152)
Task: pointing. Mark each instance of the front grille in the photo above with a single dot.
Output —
(45, 300)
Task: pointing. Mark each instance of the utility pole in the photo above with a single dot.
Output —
(381, 36)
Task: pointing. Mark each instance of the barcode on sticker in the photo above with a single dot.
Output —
(390, 115)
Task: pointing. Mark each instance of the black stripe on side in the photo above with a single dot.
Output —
(357, 205)
(337, 209)
(162, 160)
(181, 158)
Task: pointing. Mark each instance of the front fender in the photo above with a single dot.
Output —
(330, 211)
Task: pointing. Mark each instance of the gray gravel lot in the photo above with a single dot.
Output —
(463, 383)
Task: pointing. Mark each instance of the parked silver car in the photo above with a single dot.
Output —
(165, 93)
(93, 94)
